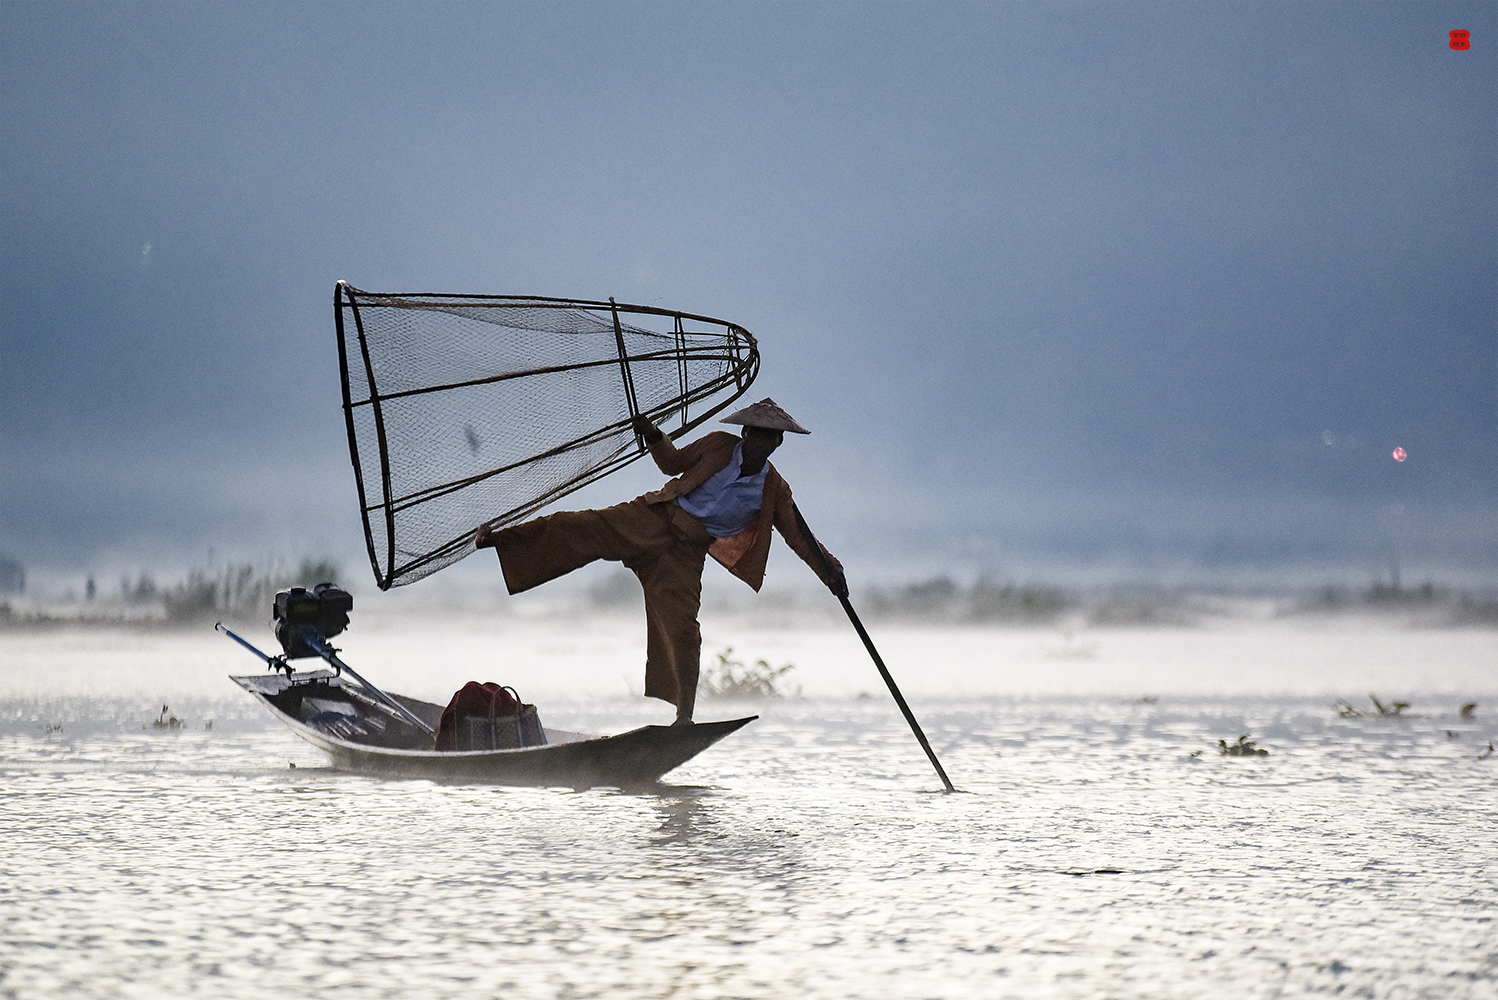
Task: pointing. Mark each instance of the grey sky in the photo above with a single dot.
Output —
(1058, 287)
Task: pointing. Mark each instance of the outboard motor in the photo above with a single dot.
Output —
(316, 614)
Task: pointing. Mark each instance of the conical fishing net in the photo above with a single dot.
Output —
(472, 409)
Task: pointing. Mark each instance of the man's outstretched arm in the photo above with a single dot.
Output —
(822, 563)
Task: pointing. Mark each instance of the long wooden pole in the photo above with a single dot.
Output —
(868, 643)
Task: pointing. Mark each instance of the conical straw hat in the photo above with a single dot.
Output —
(766, 413)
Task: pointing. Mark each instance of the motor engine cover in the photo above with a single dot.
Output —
(302, 615)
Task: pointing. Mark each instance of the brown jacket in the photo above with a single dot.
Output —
(746, 553)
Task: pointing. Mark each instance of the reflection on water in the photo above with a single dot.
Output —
(683, 817)
(1101, 848)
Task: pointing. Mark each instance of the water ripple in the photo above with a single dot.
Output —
(1091, 854)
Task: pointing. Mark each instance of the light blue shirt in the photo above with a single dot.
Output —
(727, 502)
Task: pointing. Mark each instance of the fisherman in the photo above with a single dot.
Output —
(725, 498)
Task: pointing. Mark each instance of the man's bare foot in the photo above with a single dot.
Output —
(482, 538)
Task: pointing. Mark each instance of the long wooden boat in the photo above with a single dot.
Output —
(359, 733)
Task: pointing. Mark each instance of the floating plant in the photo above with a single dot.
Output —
(1243, 748)
(163, 721)
(730, 678)
(1381, 711)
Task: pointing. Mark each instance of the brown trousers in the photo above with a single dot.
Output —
(662, 544)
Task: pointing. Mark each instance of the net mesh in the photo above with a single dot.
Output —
(468, 409)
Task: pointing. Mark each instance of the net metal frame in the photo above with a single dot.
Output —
(397, 353)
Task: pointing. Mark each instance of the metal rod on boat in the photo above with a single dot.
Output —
(868, 643)
(328, 653)
(331, 655)
(266, 657)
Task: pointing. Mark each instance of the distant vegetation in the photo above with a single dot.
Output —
(233, 591)
(245, 591)
(239, 590)
(942, 600)
(1460, 608)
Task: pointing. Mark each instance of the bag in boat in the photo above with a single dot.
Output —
(488, 717)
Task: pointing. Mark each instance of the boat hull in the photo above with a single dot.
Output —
(569, 760)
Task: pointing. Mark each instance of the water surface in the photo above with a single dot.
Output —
(1101, 848)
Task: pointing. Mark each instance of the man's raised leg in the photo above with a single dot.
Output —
(547, 547)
